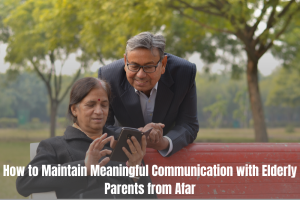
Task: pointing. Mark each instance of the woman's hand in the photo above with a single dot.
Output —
(95, 152)
(113, 142)
(137, 151)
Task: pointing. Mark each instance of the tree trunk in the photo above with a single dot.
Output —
(53, 112)
(255, 101)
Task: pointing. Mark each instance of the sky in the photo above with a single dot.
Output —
(267, 64)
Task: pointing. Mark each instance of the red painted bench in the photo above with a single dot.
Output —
(232, 154)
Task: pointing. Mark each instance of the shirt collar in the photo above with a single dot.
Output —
(154, 88)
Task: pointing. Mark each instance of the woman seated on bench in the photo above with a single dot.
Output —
(88, 142)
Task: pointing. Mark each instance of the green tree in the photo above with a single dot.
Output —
(108, 24)
(217, 111)
(241, 113)
(45, 32)
(241, 19)
(286, 90)
(26, 92)
(288, 47)
(6, 100)
(6, 6)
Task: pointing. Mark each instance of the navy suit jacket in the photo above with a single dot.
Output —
(175, 104)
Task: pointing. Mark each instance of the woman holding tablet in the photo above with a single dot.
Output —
(87, 142)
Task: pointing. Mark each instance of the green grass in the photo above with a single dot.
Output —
(27, 135)
(14, 147)
(14, 151)
(12, 154)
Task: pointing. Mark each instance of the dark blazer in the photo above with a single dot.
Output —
(175, 104)
(70, 149)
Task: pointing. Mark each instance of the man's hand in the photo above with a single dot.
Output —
(155, 139)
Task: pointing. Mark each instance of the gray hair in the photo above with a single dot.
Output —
(148, 41)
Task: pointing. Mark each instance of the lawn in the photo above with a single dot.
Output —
(27, 135)
(13, 154)
(14, 147)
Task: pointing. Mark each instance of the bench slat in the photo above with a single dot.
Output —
(231, 196)
(235, 154)
(228, 157)
(226, 180)
(237, 147)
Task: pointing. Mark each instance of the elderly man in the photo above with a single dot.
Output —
(152, 89)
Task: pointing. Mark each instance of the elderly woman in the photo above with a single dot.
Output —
(85, 143)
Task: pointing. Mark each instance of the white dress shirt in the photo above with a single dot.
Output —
(147, 106)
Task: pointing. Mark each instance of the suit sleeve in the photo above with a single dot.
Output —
(186, 125)
(110, 122)
(46, 155)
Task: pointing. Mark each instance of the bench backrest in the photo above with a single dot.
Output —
(231, 154)
(225, 154)
(42, 195)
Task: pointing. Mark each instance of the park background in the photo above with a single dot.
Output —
(246, 53)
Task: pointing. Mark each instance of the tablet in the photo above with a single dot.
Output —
(118, 154)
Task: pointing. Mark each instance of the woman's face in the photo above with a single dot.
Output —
(92, 111)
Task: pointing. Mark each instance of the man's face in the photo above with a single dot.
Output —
(141, 80)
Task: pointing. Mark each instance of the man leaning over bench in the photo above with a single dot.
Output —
(153, 89)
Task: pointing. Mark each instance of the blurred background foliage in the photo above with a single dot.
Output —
(236, 105)
(222, 102)
(42, 34)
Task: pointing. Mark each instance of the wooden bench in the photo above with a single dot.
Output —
(42, 195)
(227, 154)
(235, 154)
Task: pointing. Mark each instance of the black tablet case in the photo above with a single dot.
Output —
(126, 133)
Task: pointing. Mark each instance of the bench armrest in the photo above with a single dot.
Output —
(44, 195)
